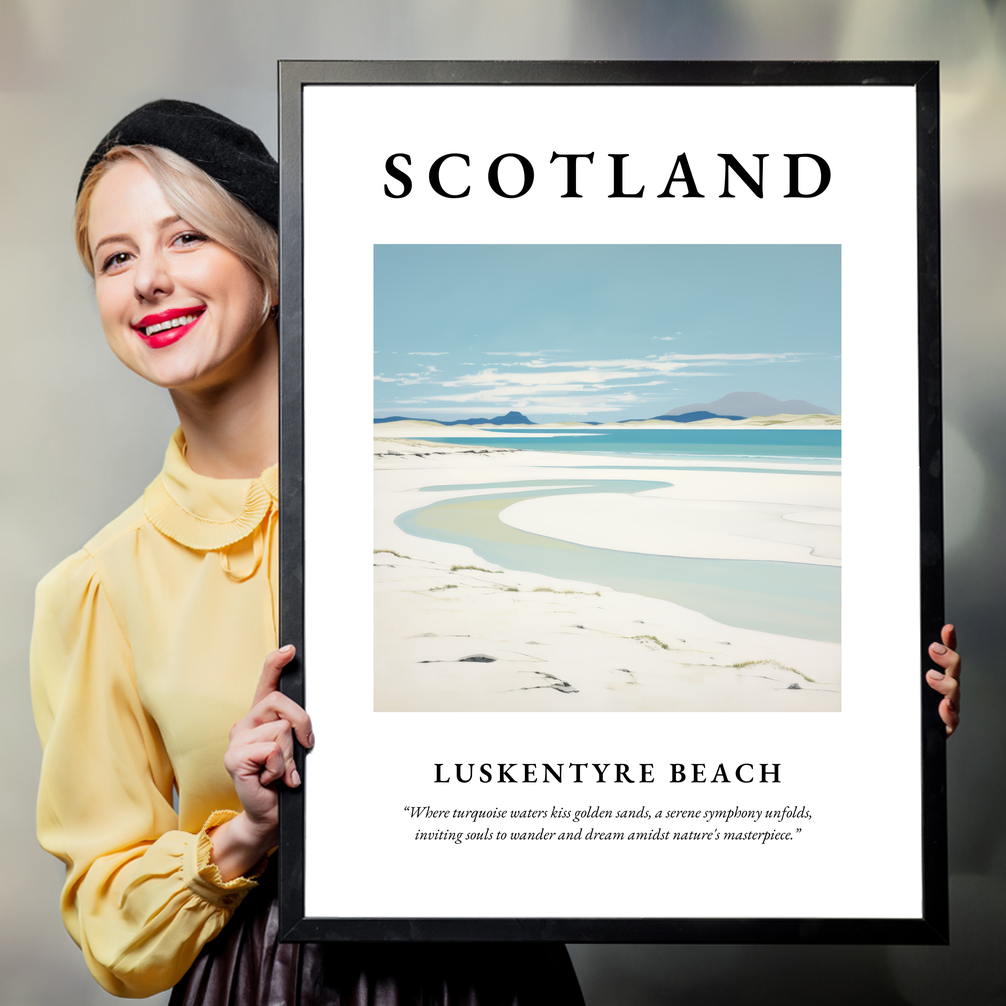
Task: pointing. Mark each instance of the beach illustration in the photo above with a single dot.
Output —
(607, 478)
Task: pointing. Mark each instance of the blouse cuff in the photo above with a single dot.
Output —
(202, 876)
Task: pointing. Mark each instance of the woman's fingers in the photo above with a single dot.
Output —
(272, 668)
(277, 706)
(949, 712)
(274, 766)
(948, 658)
(946, 681)
(261, 749)
(278, 735)
(947, 686)
(260, 761)
(949, 636)
(270, 703)
(943, 654)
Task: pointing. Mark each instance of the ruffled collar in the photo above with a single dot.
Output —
(203, 513)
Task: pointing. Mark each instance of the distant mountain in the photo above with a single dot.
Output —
(510, 419)
(685, 417)
(694, 417)
(744, 404)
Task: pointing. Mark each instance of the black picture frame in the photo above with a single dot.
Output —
(931, 926)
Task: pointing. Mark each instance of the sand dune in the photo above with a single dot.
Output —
(423, 427)
(658, 523)
(499, 640)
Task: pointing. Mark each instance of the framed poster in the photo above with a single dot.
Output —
(611, 501)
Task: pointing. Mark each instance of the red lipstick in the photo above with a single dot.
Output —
(166, 327)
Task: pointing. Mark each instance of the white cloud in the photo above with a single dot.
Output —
(403, 379)
(565, 380)
(737, 357)
(499, 400)
(417, 353)
(536, 384)
(529, 352)
(542, 377)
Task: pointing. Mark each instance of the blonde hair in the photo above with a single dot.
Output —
(199, 200)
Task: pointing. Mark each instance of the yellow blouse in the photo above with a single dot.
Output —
(147, 647)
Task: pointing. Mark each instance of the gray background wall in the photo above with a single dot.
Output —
(82, 436)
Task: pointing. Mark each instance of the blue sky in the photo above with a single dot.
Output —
(601, 332)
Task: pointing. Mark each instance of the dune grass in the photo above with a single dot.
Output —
(774, 663)
(652, 639)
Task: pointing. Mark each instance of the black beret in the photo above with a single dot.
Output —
(230, 154)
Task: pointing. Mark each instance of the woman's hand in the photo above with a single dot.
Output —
(947, 682)
(260, 753)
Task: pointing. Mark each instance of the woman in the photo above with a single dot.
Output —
(148, 643)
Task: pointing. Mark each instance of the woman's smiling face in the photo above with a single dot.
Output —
(177, 308)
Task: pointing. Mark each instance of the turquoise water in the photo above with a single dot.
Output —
(805, 446)
(794, 599)
(702, 468)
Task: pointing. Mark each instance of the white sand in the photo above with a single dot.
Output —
(561, 645)
(658, 522)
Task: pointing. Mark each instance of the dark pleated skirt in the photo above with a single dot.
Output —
(246, 965)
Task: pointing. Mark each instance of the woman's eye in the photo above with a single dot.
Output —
(190, 238)
(114, 261)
